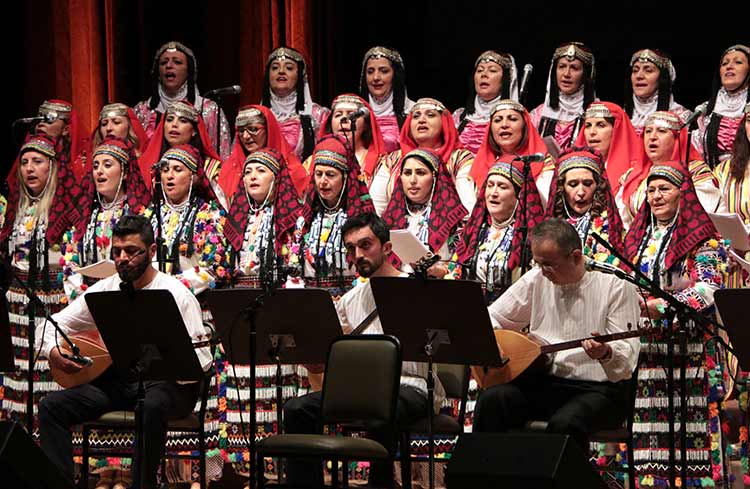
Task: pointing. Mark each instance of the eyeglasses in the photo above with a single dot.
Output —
(130, 253)
(252, 130)
(553, 266)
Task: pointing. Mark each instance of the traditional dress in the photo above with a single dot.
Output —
(723, 114)
(632, 192)
(390, 111)
(601, 218)
(299, 117)
(686, 258)
(231, 168)
(625, 147)
(489, 151)
(319, 247)
(560, 115)
(457, 160)
(472, 121)
(261, 237)
(372, 139)
(151, 111)
(33, 235)
(662, 99)
(435, 223)
(158, 145)
(195, 252)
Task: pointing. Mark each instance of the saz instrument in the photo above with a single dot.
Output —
(520, 352)
(91, 345)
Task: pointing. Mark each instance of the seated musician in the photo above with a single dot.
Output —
(367, 241)
(133, 250)
(587, 388)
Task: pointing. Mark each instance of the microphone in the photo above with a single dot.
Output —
(527, 69)
(597, 266)
(361, 112)
(80, 360)
(232, 90)
(30, 120)
(531, 158)
(694, 116)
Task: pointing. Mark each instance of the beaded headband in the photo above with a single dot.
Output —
(55, 110)
(649, 56)
(173, 46)
(574, 50)
(346, 102)
(331, 158)
(737, 47)
(578, 161)
(669, 173)
(183, 109)
(113, 110)
(266, 159)
(185, 157)
(494, 57)
(428, 104)
(120, 154)
(382, 52)
(427, 157)
(664, 119)
(596, 111)
(508, 171)
(285, 53)
(248, 116)
(507, 104)
(40, 145)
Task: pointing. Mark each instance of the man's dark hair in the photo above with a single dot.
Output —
(368, 219)
(561, 232)
(131, 224)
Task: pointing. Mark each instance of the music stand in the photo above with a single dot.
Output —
(732, 306)
(281, 326)
(157, 347)
(423, 315)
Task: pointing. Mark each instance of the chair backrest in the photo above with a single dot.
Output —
(362, 380)
(454, 379)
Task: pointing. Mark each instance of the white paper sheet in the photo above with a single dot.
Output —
(741, 261)
(100, 269)
(731, 227)
(408, 248)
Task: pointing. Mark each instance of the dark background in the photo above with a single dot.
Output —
(439, 41)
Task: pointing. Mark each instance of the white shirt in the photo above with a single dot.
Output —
(353, 308)
(557, 313)
(76, 316)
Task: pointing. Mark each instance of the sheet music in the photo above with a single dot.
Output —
(100, 269)
(406, 245)
(731, 227)
(740, 260)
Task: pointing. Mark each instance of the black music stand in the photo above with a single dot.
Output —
(153, 347)
(280, 326)
(424, 315)
(732, 306)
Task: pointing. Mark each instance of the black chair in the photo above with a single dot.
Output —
(455, 381)
(360, 390)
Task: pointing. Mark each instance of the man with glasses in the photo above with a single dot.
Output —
(586, 388)
(133, 250)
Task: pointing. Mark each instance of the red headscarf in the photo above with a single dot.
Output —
(190, 156)
(486, 155)
(112, 110)
(449, 135)
(469, 239)
(625, 147)
(62, 212)
(334, 151)
(590, 159)
(377, 146)
(693, 225)
(133, 186)
(157, 145)
(446, 208)
(643, 166)
(231, 169)
(286, 205)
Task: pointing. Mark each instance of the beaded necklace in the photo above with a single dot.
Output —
(256, 240)
(98, 235)
(493, 253)
(324, 246)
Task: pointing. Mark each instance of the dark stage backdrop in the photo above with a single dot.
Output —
(97, 51)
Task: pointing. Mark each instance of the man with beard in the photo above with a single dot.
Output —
(133, 249)
(367, 241)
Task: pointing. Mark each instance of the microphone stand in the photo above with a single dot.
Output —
(34, 304)
(156, 199)
(524, 227)
(684, 314)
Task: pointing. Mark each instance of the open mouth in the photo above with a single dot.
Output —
(505, 134)
(102, 180)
